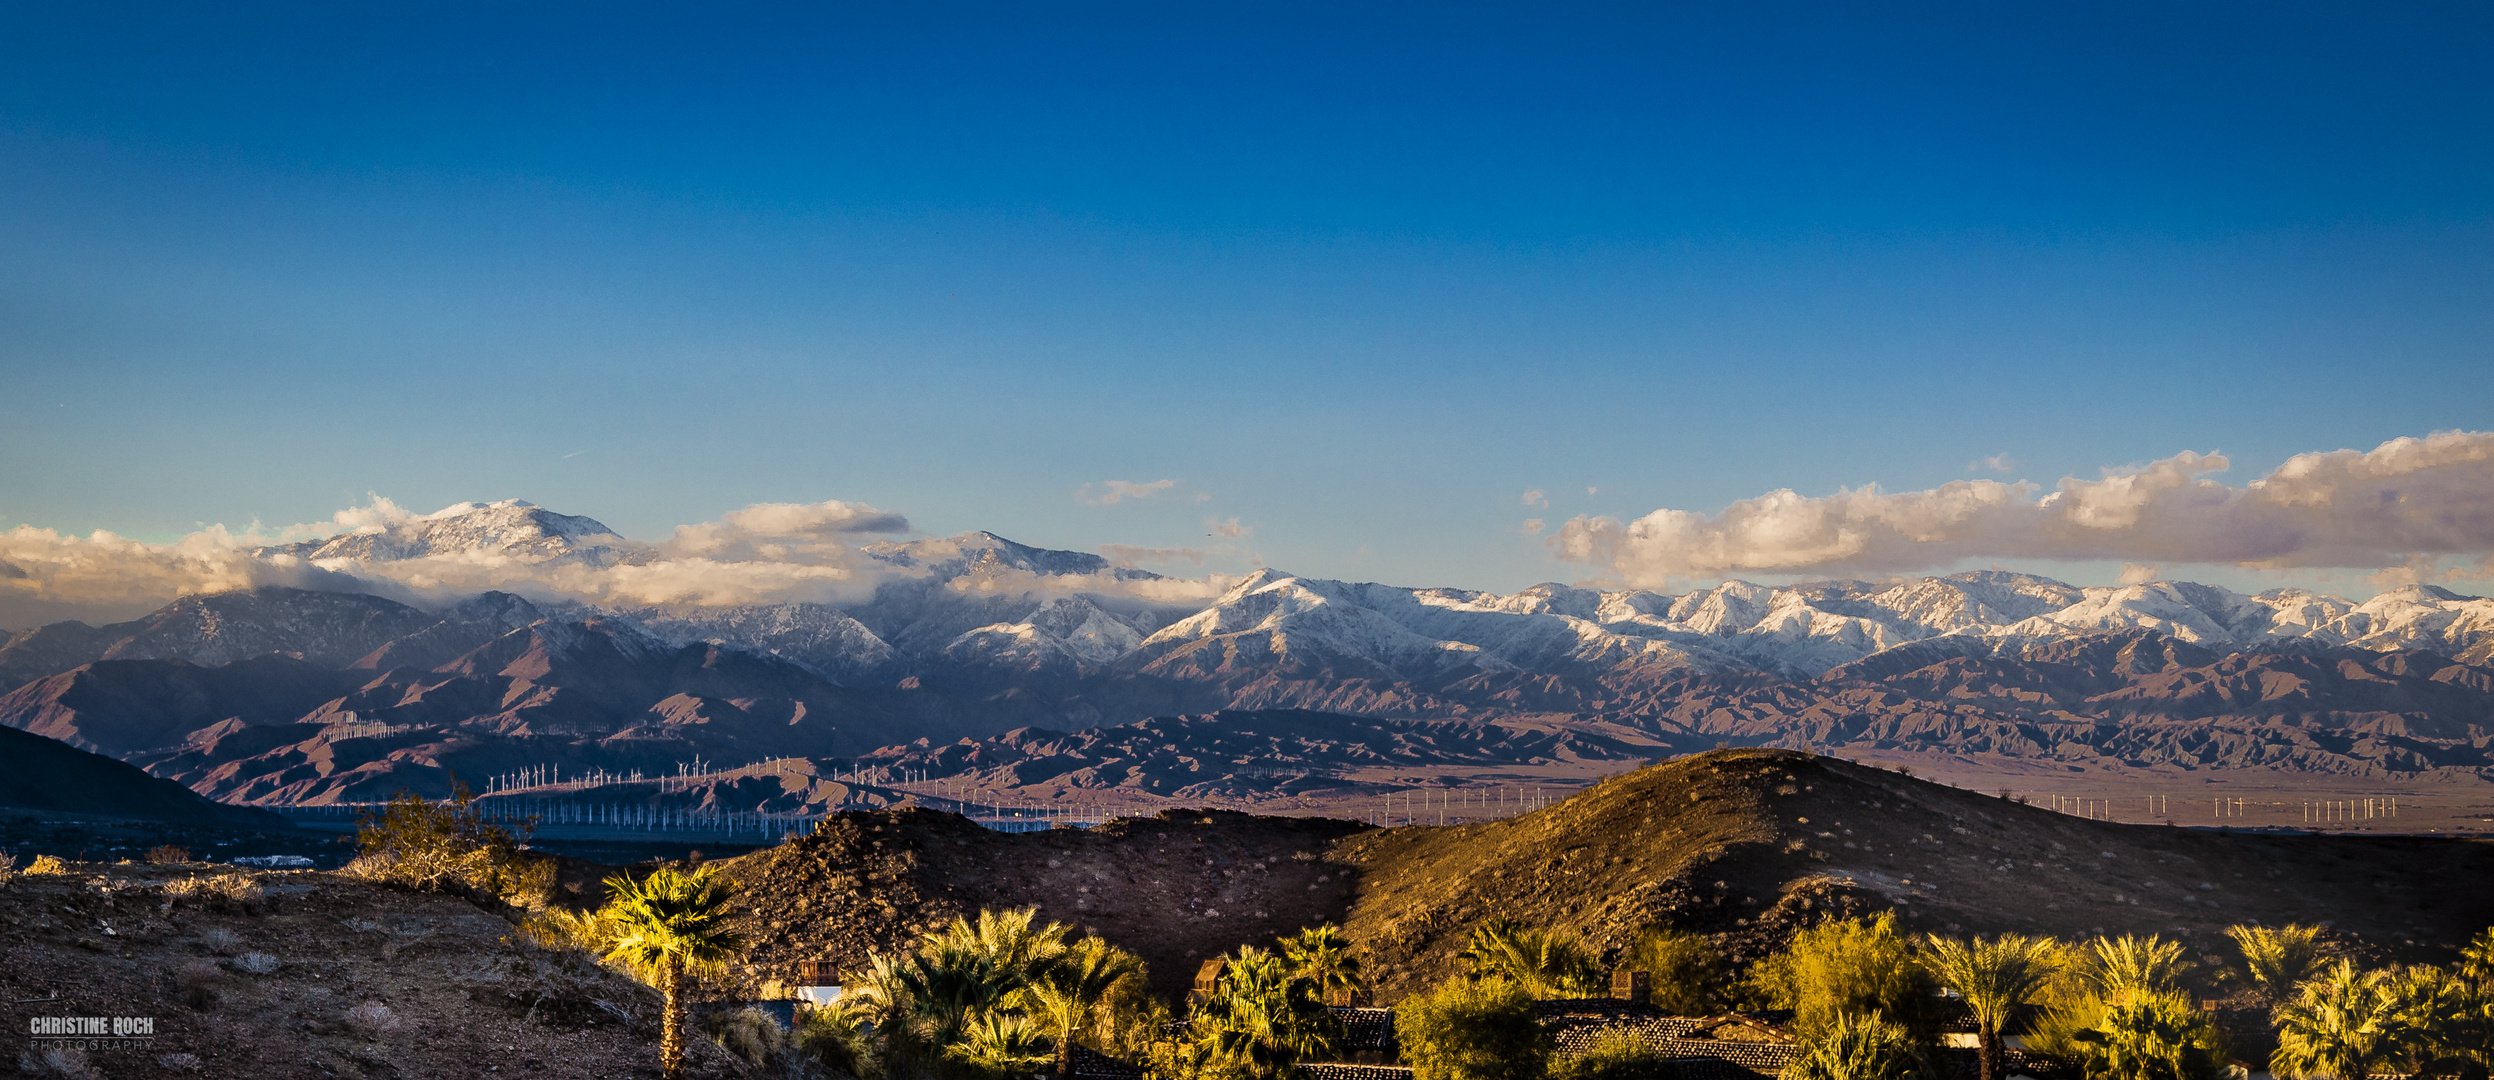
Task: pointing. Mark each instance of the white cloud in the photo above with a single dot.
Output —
(2405, 500)
(1534, 526)
(1228, 528)
(760, 554)
(1112, 492)
(2001, 464)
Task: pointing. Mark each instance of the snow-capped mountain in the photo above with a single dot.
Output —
(511, 528)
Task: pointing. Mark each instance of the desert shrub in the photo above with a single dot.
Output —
(168, 853)
(223, 891)
(8, 866)
(68, 1063)
(1857, 1046)
(1688, 970)
(370, 1020)
(1546, 963)
(1619, 1055)
(47, 864)
(834, 1039)
(1472, 1029)
(197, 981)
(751, 1036)
(220, 941)
(1850, 967)
(449, 847)
(258, 963)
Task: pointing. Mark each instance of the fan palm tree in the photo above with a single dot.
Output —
(1263, 1019)
(2276, 958)
(1995, 978)
(1323, 954)
(2338, 1025)
(1065, 995)
(663, 927)
(2131, 966)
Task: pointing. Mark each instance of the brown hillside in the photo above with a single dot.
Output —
(1716, 843)
(1748, 844)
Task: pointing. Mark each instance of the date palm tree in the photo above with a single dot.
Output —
(2339, 1025)
(2278, 957)
(664, 927)
(2131, 966)
(1995, 978)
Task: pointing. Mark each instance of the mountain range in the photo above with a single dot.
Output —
(277, 695)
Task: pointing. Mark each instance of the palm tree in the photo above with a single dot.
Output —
(2337, 1025)
(1263, 1019)
(2131, 966)
(2476, 959)
(663, 927)
(1995, 978)
(1001, 1044)
(1010, 938)
(944, 987)
(1321, 953)
(1546, 963)
(1070, 990)
(2276, 958)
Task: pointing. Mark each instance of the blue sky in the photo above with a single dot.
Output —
(1358, 276)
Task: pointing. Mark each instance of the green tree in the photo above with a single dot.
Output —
(2433, 1014)
(664, 927)
(1847, 967)
(1323, 954)
(1472, 1029)
(1994, 978)
(1261, 1020)
(1856, 1046)
(1688, 970)
(2275, 958)
(1069, 992)
(946, 986)
(2339, 1024)
(1546, 963)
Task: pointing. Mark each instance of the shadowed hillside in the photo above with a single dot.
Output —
(37, 773)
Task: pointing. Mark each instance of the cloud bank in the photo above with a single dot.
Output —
(2399, 505)
(767, 553)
